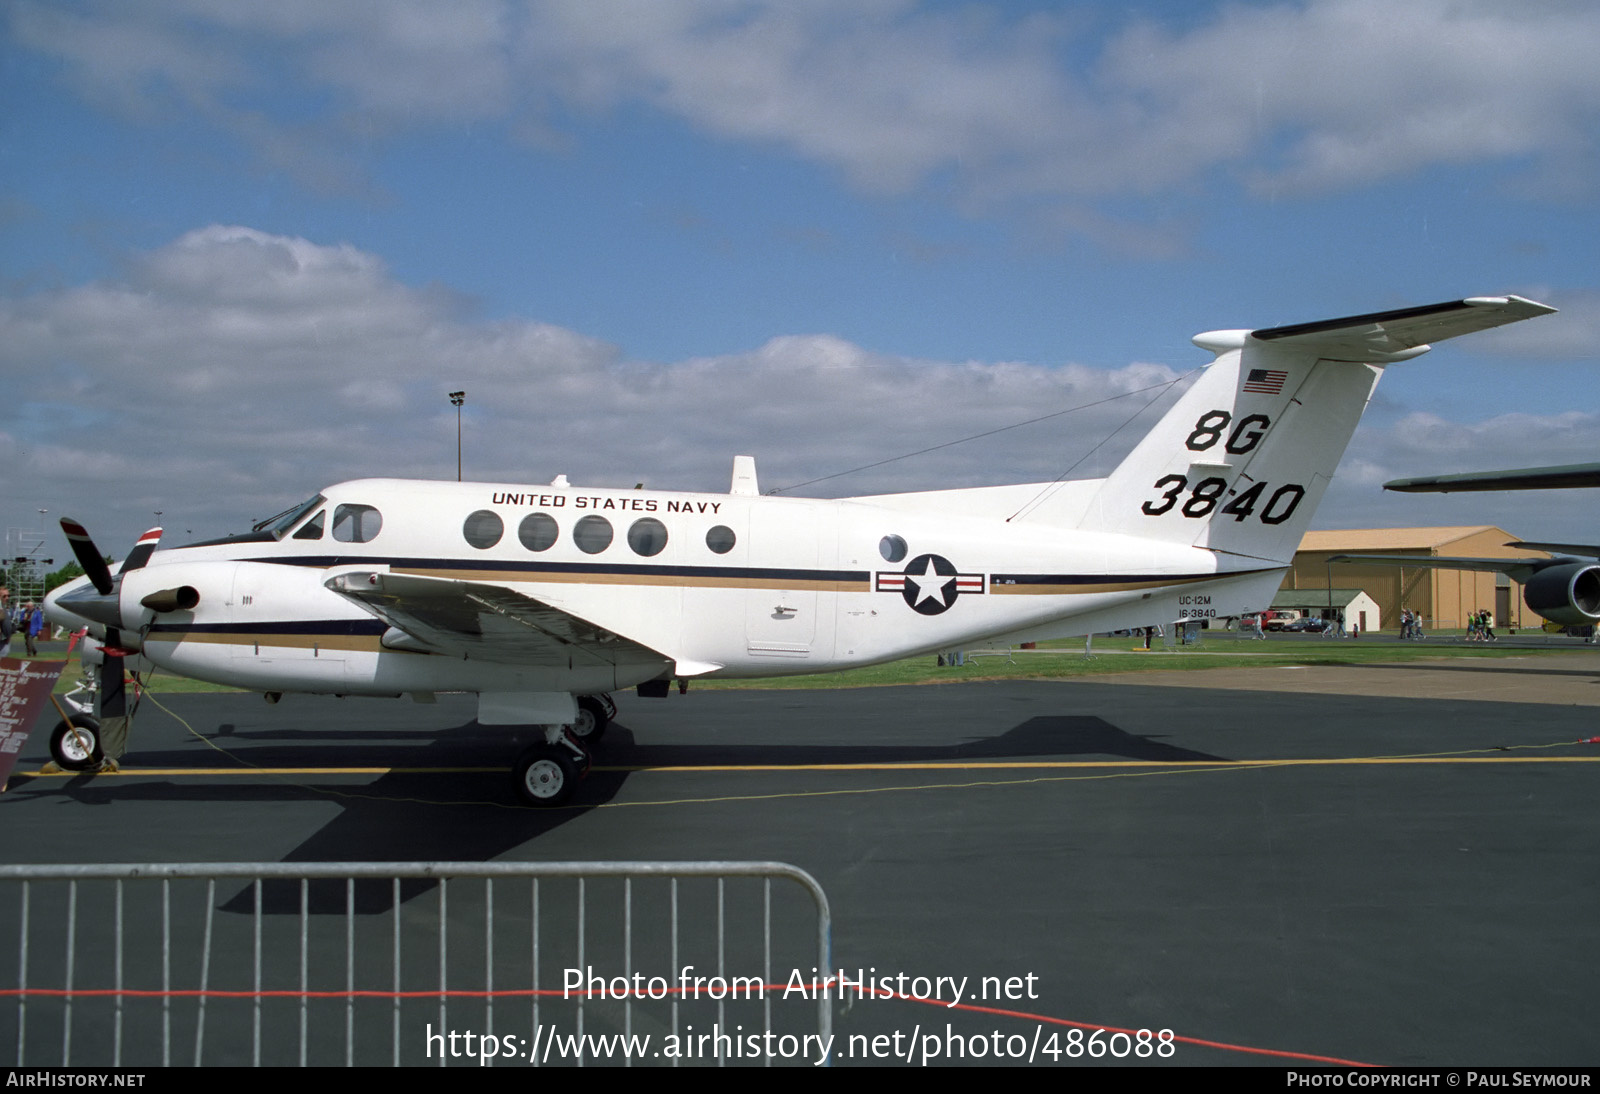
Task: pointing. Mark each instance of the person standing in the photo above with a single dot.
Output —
(6, 625)
(33, 623)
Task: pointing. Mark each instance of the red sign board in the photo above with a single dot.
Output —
(24, 689)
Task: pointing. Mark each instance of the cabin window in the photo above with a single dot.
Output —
(721, 539)
(312, 529)
(356, 523)
(483, 529)
(892, 548)
(647, 536)
(592, 534)
(538, 531)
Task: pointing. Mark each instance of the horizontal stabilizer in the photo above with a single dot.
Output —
(1388, 334)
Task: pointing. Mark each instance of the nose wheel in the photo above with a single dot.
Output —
(75, 744)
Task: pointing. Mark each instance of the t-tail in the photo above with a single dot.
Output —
(1240, 463)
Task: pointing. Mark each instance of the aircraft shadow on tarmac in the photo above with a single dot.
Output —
(408, 815)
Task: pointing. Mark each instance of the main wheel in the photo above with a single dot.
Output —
(75, 744)
(593, 718)
(546, 775)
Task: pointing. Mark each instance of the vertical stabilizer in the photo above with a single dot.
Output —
(1241, 462)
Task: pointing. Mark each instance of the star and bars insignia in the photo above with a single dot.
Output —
(929, 583)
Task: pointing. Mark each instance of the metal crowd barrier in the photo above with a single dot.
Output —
(354, 963)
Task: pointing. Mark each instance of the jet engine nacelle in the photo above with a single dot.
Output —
(1568, 594)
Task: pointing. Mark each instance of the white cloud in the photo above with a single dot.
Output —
(232, 370)
(992, 106)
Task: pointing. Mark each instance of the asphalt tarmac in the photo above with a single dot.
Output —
(1384, 864)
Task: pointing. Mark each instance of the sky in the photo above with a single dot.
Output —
(247, 250)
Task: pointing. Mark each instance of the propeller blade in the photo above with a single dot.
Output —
(89, 557)
(141, 551)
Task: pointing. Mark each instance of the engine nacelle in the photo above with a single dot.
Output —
(1568, 594)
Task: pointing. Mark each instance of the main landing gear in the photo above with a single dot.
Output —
(548, 773)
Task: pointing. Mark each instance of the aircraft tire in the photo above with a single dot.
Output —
(592, 720)
(546, 775)
(75, 744)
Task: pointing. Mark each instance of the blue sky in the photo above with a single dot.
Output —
(245, 250)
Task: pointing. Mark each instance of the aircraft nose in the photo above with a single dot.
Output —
(77, 601)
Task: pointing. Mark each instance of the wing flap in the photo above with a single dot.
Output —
(490, 622)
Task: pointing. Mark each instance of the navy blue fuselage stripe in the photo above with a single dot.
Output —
(534, 567)
(1107, 579)
(347, 627)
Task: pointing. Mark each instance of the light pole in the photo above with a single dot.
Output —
(456, 399)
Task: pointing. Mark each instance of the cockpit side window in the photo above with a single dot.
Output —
(280, 524)
(311, 529)
(356, 523)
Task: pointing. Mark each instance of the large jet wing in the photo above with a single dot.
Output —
(490, 622)
(1529, 478)
(1584, 550)
(1563, 590)
(1520, 569)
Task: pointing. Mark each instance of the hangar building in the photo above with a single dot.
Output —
(1444, 597)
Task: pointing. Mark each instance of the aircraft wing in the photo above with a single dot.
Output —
(1529, 478)
(1520, 569)
(489, 622)
(1583, 550)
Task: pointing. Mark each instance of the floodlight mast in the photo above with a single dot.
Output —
(456, 399)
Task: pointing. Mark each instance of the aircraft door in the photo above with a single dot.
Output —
(781, 600)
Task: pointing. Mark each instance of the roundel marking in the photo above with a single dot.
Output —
(929, 584)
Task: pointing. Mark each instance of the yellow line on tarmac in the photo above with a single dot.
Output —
(1013, 765)
(928, 765)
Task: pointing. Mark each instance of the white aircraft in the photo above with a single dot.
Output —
(543, 599)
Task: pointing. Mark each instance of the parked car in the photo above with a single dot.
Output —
(1308, 626)
(1278, 621)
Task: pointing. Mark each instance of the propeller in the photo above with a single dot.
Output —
(104, 604)
(92, 561)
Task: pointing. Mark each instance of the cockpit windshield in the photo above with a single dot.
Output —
(279, 525)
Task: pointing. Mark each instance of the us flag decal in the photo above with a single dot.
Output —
(1265, 381)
